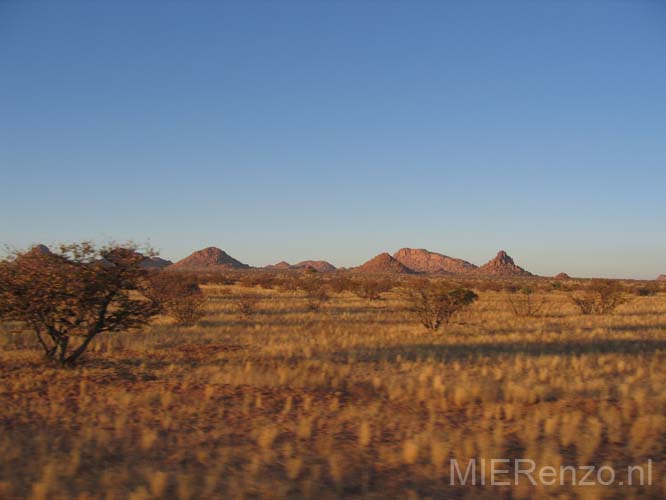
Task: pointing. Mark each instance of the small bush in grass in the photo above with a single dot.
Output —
(179, 296)
(340, 284)
(316, 292)
(489, 286)
(525, 302)
(248, 280)
(266, 281)
(647, 290)
(289, 283)
(435, 303)
(372, 289)
(246, 305)
(599, 297)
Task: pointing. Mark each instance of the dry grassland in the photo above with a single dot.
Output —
(354, 401)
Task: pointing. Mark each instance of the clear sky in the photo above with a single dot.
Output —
(340, 129)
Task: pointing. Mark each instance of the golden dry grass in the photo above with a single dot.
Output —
(354, 401)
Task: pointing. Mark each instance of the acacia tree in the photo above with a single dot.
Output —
(71, 296)
(600, 297)
(435, 303)
(525, 303)
(178, 294)
(316, 292)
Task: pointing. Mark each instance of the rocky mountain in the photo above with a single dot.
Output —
(661, 277)
(502, 265)
(210, 258)
(563, 276)
(280, 266)
(39, 248)
(155, 263)
(422, 260)
(319, 265)
(384, 263)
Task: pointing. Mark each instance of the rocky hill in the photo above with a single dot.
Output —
(155, 263)
(319, 265)
(422, 260)
(562, 276)
(661, 277)
(280, 266)
(384, 263)
(39, 248)
(210, 258)
(502, 265)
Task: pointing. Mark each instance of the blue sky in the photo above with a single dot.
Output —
(340, 129)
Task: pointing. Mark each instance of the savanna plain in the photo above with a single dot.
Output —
(351, 397)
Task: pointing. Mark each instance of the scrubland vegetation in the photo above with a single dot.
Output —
(287, 387)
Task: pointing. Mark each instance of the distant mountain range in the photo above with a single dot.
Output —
(320, 266)
(404, 261)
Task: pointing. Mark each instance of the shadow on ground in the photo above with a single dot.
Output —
(466, 351)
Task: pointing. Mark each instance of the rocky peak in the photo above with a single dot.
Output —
(384, 263)
(211, 257)
(502, 265)
(422, 260)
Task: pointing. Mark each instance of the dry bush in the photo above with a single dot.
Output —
(79, 292)
(341, 284)
(372, 289)
(525, 302)
(599, 297)
(179, 296)
(563, 286)
(646, 290)
(289, 283)
(247, 280)
(316, 292)
(435, 303)
(267, 281)
(487, 285)
(206, 277)
(246, 305)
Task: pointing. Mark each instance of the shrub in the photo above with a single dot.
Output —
(246, 305)
(435, 303)
(526, 303)
(340, 284)
(647, 290)
(316, 292)
(178, 295)
(77, 293)
(247, 281)
(289, 283)
(267, 281)
(599, 297)
(372, 289)
(488, 285)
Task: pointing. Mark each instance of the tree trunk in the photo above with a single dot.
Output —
(71, 359)
(64, 342)
(49, 351)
